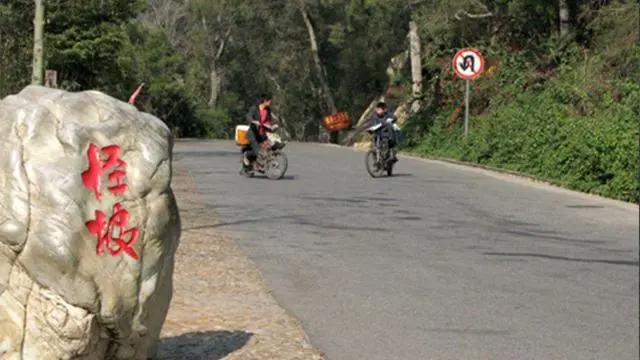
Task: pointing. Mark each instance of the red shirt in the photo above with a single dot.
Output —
(264, 119)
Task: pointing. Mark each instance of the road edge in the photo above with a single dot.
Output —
(281, 334)
(507, 175)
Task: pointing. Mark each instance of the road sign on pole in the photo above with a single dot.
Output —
(468, 65)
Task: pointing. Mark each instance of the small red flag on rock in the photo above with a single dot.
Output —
(132, 98)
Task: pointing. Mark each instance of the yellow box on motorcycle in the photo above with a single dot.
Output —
(337, 121)
(242, 135)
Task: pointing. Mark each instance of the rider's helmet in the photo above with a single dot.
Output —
(381, 108)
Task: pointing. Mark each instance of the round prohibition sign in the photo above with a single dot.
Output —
(468, 63)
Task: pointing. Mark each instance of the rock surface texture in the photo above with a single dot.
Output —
(88, 227)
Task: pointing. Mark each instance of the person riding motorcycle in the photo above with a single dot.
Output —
(380, 116)
(260, 122)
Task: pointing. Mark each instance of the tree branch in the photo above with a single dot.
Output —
(416, 3)
(462, 13)
(223, 42)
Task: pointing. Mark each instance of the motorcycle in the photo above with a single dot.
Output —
(381, 158)
(275, 162)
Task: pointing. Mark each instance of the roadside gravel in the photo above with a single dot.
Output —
(221, 308)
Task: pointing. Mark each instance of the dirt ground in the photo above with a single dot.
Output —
(221, 308)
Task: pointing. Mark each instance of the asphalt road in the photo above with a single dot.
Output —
(438, 262)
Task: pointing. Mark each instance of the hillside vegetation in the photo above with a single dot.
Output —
(559, 98)
(565, 110)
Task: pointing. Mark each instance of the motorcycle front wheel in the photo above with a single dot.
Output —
(373, 164)
(277, 166)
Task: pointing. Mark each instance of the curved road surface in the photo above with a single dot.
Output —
(439, 262)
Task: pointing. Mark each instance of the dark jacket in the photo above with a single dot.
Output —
(257, 134)
(376, 119)
(254, 115)
(386, 131)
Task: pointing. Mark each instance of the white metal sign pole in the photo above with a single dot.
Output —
(466, 109)
(467, 64)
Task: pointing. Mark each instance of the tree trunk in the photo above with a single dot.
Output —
(416, 66)
(280, 120)
(396, 66)
(37, 77)
(564, 18)
(368, 111)
(51, 79)
(322, 75)
(216, 81)
(361, 125)
(496, 23)
(214, 76)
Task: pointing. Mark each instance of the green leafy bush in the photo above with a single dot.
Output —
(540, 134)
(216, 123)
(562, 109)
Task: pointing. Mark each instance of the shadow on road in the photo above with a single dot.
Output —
(204, 345)
(179, 155)
(289, 219)
(393, 176)
(237, 222)
(564, 258)
(286, 177)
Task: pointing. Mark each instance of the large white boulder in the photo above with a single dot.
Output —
(88, 227)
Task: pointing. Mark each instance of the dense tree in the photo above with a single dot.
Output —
(560, 86)
(205, 61)
(88, 43)
(16, 45)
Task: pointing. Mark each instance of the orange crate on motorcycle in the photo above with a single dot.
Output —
(242, 135)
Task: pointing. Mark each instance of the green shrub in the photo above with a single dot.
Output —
(542, 134)
(217, 123)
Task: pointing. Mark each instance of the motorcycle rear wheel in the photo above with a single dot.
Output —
(373, 164)
(277, 166)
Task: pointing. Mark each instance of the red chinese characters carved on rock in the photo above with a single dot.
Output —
(97, 167)
(112, 234)
(114, 231)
